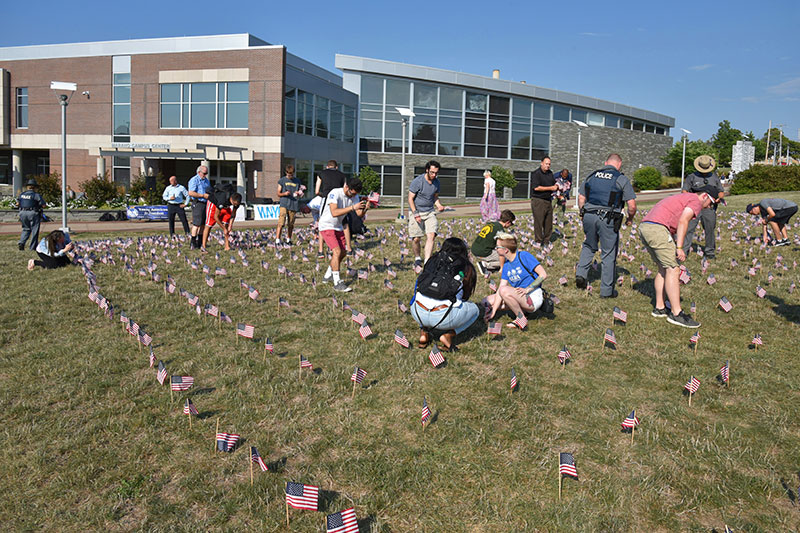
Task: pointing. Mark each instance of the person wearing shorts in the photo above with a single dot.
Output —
(423, 201)
(199, 191)
(663, 231)
(775, 213)
(338, 204)
(220, 209)
(290, 190)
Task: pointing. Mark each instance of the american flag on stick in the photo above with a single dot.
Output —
(364, 330)
(401, 306)
(209, 281)
(562, 280)
(181, 383)
(566, 465)
(631, 421)
(245, 330)
(219, 271)
(358, 375)
(610, 337)
(426, 413)
(436, 357)
(192, 299)
(513, 379)
(388, 284)
(257, 459)
(357, 316)
(162, 373)
(725, 371)
(712, 279)
(283, 302)
(253, 293)
(757, 340)
(692, 385)
(401, 339)
(268, 345)
(152, 357)
(170, 287)
(760, 291)
(521, 321)
(693, 308)
(563, 355)
(725, 304)
(189, 408)
(494, 328)
(695, 338)
(343, 521)
(305, 363)
(226, 442)
(302, 496)
(620, 315)
(145, 338)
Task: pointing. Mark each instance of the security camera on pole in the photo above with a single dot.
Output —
(64, 91)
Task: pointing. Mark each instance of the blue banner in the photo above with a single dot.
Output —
(147, 212)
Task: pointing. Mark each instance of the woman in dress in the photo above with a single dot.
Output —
(490, 209)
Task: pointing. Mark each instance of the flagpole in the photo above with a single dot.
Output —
(756, 344)
(354, 390)
(697, 341)
(287, 515)
(560, 477)
(633, 429)
(170, 390)
(251, 466)
(190, 427)
(691, 379)
(215, 439)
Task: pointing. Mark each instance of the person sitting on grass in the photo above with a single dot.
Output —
(221, 209)
(441, 294)
(53, 251)
(520, 288)
(487, 259)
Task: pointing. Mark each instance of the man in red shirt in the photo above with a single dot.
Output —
(663, 231)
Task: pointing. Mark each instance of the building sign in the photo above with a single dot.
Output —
(266, 211)
(146, 146)
(147, 212)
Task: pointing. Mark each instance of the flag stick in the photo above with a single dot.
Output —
(633, 431)
(170, 389)
(139, 339)
(251, 469)
(354, 390)
(559, 482)
(214, 449)
(287, 515)
(756, 344)
(690, 391)
(219, 318)
(190, 427)
(165, 292)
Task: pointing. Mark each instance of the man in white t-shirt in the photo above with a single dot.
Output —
(338, 203)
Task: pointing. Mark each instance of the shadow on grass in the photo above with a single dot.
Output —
(365, 524)
(206, 414)
(205, 390)
(789, 492)
(788, 311)
(278, 466)
(326, 498)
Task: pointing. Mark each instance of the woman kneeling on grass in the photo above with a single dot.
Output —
(520, 288)
(53, 251)
(441, 293)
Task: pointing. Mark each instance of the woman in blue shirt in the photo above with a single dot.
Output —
(520, 288)
(53, 251)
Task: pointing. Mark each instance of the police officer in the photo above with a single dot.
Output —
(601, 199)
(31, 204)
(695, 182)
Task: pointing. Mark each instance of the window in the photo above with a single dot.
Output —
(121, 171)
(426, 103)
(541, 130)
(649, 128)
(660, 130)
(22, 107)
(448, 178)
(626, 124)
(595, 119)
(638, 126)
(391, 180)
(290, 109)
(43, 164)
(321, 116)
(337, 121)
(5, 169)
(476, 119)
(521, 129)
(121, 126)
(579, 114)
(499, 108)
(475, 182)
(561, 113)
(221, 105)
(612, 121)
(521, 190)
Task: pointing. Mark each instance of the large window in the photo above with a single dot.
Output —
(22, 107)
(541, 130)
(121, 171)
(521, 190)
(221, 105)
(310, 114)
(290, 108)
(475, 121)
(121, 128)
(475, 182)
(521, 129)
(448, 180)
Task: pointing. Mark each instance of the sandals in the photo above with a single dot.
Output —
(447, 341)
(424, 339)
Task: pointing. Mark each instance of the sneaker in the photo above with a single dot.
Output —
(341, 287)
(772, 242)
(580, 282)
(612, 295)
(320, 256)
(782, 242)
(479, 265)
(326, 279)
(30, 264)
(288, 242)
(683, 320)
(659, 313)
(203, 250)
(277, 243)
(21, 246)
(418, 262)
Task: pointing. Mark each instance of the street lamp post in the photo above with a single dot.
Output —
(64, 91)
(578, 170)
(406, 114)
(683, 159)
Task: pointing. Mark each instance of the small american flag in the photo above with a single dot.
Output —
(770, 278)
(374, 198)
(495, 328)
(268, 345)
(417, 269)
(358, 375)
(256, 458)
(152, 357)
(170, 287)
(253, 293)
(219, 271)
(734, 263)
(225, 318)
(245, 330)
(226, 442)
(426, 413)
(693, 308)
(493, 286)
(566, 465)
(343, 521)
(684, 277)
(725, 304)
(209, 281)
(189, 408)
(181, 383)
(757, 340)
(283, 302)
(123, 317)
(206, 269)
(725, 371)
(436, 358)
(388, 284)
(692, 385)
(145, 338)
(162, 373)
(620, 280)
(620, 315)
(192, 299)
(133, 327)
(357, 316)
(521, 321)
(609, 337)
(760, 292)
(305, 363)
(198, 310)
(364, 330)
(712, 279)
(302, 496)
(212, 310)
(401, 306)
(563, 355)
(391, 273)
(631, 421)
(401, 339)
(363, 274)
(346, 306)
(562, 280)
(695, 338)
(513, 379)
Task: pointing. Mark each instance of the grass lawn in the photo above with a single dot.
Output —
(92, 442)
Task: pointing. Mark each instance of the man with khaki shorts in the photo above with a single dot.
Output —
(663, 231)
(423, 202)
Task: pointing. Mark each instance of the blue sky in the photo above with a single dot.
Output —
(700, 62)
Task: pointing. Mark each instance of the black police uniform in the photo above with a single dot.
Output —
(30, 216)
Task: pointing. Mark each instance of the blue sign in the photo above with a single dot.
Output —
(266, 211)
(147, 212)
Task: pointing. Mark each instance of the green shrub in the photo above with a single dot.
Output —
(150, 195)
(763, 178)
(49, 187)
(370, 180)
(503, 178)
(99, 190)
(670, 182)
(646, 179)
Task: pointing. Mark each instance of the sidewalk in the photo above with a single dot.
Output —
(520, 207)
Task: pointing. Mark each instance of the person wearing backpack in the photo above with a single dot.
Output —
(520, 289)
(441, 294)
(221, 209)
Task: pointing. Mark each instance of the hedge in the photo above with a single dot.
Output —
(646, 179)
(763, 178)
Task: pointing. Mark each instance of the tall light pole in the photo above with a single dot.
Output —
(780, 142)
(64, 91)
(406, 114)
(578, 170)
(683, 159)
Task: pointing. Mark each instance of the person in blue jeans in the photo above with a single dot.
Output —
(449, 316)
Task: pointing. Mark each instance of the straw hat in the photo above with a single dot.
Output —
(705, 163)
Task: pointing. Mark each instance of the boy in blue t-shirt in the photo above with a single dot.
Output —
(520, 284)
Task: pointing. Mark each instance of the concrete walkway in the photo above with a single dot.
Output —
(520, 207)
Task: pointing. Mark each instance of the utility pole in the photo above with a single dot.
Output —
(780, 142)
(766, 153)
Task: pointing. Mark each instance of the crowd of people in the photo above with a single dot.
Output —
(447, 277)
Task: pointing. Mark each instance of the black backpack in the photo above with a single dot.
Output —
(221, 194)
(442, 277)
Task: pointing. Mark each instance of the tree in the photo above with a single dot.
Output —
(503, 178)
(723, 142)
(693, 150)
(370, 180)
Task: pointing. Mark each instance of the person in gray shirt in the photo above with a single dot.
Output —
(775, 213)
(423, 202)
(695, 182)
(290, 190)
(601, 199)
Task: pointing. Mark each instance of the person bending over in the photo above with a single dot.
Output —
(221, 210)
(339, 203)
(53, 251)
